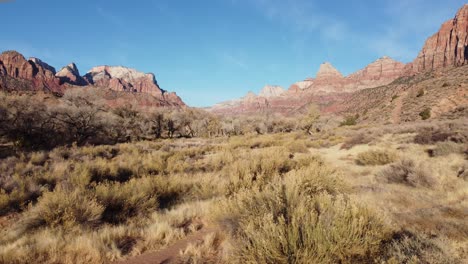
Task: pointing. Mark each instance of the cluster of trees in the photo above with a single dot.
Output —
(82, 117)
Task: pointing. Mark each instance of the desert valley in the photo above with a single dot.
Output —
(109, 167)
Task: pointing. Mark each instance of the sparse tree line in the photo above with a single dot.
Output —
(81, 117)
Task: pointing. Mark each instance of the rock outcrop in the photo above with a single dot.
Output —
(42, 64)
(328, 85)
(40, 75)
(16, 66)
(329, 80)
(271, 91)
(328, 72)
(71, 75)
(17, 73)
(448, 47)
(380, 72)
(123, 79)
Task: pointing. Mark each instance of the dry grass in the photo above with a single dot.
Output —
(276, 198)
(446, 148)
(408, 172)
(302, 218)
(376, 157)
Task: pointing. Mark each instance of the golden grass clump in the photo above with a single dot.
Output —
(302, 218)
(126, 200)
(376, 157)
(446, 148)
(62, 209)
(206, 251)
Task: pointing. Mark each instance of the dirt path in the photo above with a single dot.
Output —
(396, 113)
(169, 254)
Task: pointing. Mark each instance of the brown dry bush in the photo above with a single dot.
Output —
(376, 157)
(254, 169)
(407, 247)
(123, 201)
(431, 136)
(407, 172)
(62, 209)
(302, 219)
(446, 148)
(359, 139)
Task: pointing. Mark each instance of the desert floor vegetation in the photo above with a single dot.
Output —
(350, 194)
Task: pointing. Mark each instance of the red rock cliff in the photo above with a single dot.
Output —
(448, 47)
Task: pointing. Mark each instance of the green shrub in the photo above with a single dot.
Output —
(425, 114)
(350, 121)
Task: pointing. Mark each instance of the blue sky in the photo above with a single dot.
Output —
(214, 50)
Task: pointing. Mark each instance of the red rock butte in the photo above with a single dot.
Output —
(35, 74)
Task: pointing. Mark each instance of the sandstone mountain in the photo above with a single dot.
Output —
(70, 74)
(271, 91)
(31, 74)
(328, 82)
(17, 73)
(448, 47)
(332, 92)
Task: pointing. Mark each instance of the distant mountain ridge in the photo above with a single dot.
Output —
(34, 74)
(447, 48)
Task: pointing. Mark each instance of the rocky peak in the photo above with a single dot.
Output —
(327, 71)
(39, 74)
(271, 91)
(250, 95)
(448, 47)
(384, 69)
(15, 65)
(124, 79)
(42, 64)
(70, 74)
(122, 73)
(70, 68)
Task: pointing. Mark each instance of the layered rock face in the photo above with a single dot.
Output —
(42, 64)
(70, 74)
(448, 47)
(329, 80)
(380, 72)
(17, 73)
(124, 79)
(271, 91)
(328, 72)
(40, 75)
(16, 66)
(328, 85)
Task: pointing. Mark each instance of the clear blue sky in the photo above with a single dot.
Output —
(213, 50)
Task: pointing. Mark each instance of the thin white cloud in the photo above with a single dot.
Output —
(407, 23)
